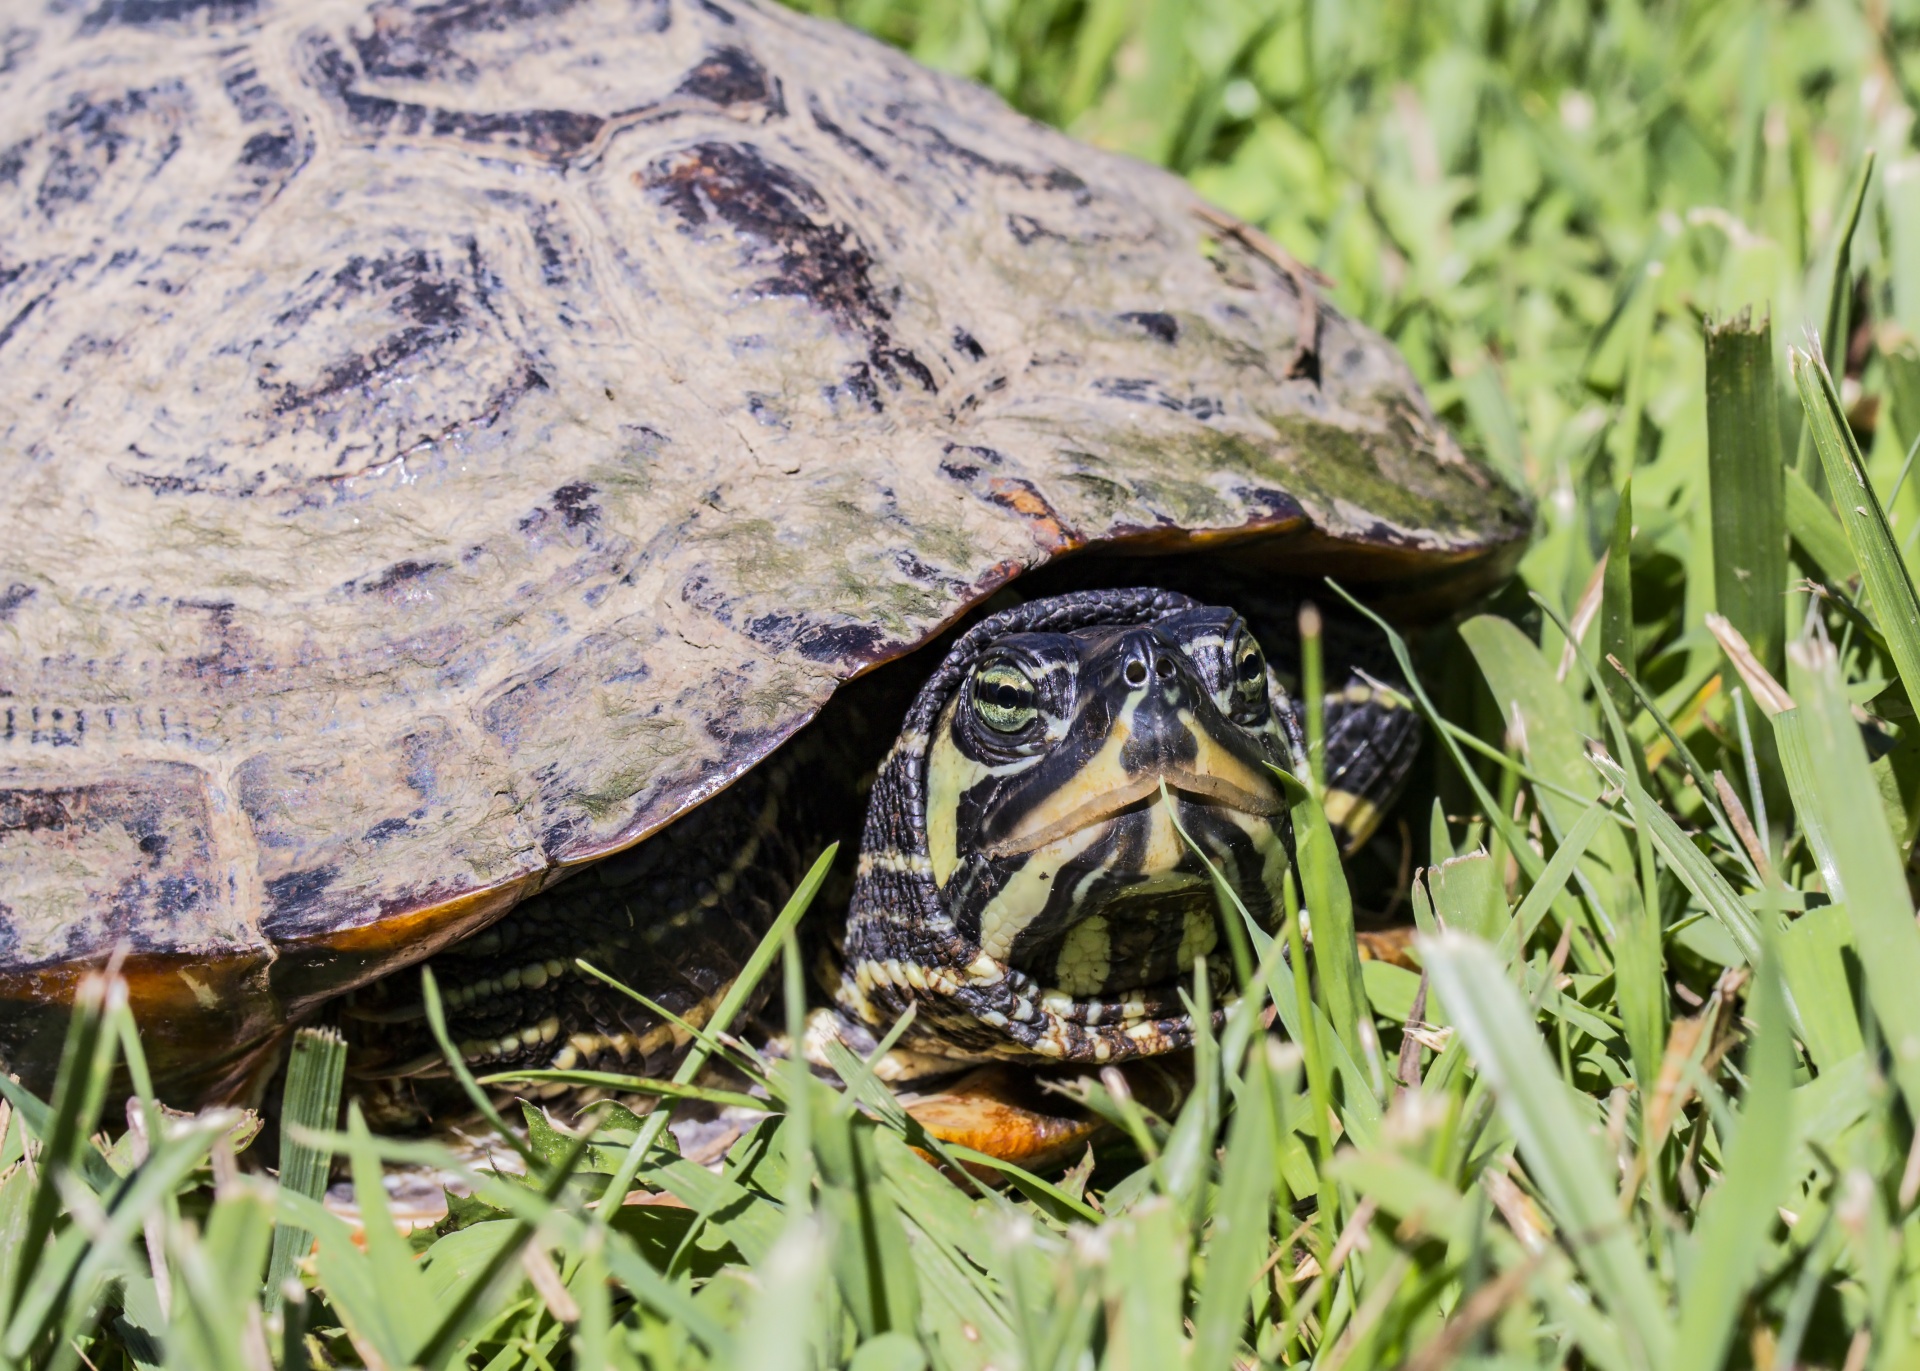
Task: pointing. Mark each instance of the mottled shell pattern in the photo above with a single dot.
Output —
(440, 443)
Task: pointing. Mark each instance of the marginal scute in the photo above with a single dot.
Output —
(89, 862)
(446, 441)
(334, 822)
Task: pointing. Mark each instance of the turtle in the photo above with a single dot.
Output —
(501, 483)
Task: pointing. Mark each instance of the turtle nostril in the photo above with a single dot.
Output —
(1136, 673)
(1163, 668)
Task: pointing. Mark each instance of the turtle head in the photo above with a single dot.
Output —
(1061, 775)
(1033, 873)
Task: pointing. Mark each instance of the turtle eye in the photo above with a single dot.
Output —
(1249, 667)
(1003, 697)
(1248, 671)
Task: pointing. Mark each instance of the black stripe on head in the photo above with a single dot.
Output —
(1012, 883)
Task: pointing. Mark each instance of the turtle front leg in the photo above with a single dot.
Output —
(1372, 737)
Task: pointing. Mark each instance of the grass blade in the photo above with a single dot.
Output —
(1552, 881)
(379, 1291)
(1323, 884)
(636, 1085)
(1523, 852)
(316, 1071)
(80, 1088)
(1729, 1239)
(1698, 874)
(1239, 1235)
(1813, 526)
(1145, 1276)
(1840, 277)
(1888, 582)
(1559, 1151)
(79, 1260)
(1678, 749)
(743, 987)
(1550, 730)
(437, 1021)
(1865, 856)
(1639, 971)
(1815, 971)
(1550, 727)
(1329, 903)
(452, 1325)
(1747, 484)
(1616, 604)
(1291, 1001)
(1467, 896)
(783, 1323)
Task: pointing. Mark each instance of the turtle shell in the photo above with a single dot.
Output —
(442, 443)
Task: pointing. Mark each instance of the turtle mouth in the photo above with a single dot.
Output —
(1036, 834)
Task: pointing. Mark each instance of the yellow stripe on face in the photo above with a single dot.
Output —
(1164, 847)
(1026, 892)
(1153, 879)
(950, 774)
(1213, 762)
(1102, 776)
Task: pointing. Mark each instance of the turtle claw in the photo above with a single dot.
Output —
(999, 1111)
(1391, 945)
(1008, 1112)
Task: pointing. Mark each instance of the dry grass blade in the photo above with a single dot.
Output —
(1585, 611)
(1737, 814)
(1481, 1308)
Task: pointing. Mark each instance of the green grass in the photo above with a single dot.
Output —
(1653, 1102)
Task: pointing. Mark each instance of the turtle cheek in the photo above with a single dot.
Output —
(1004, 900)
(993, 802)
(1251, 851)
(965, 793)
